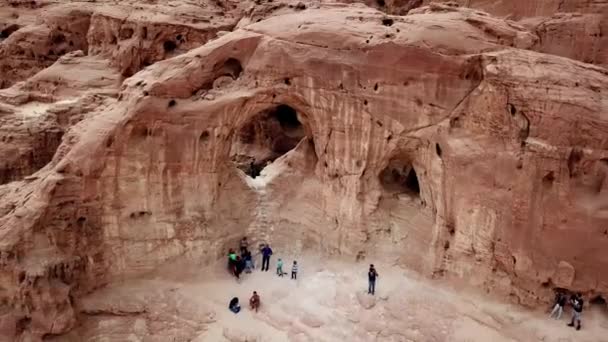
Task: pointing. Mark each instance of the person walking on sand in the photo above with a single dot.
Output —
(372, 274)
(558, 309)
(294, 270)
(266, 253)
(254, 301)
(577, 304)
(280, 267)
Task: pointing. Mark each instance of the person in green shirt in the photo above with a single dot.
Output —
(280, 267)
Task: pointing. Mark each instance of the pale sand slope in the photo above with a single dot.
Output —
(327, 303)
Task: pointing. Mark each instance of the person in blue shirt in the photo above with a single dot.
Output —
(372, 274)
(266, 253)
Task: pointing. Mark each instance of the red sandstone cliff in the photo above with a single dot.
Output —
(450, 141)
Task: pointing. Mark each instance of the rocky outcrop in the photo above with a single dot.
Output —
(436, 141)
(573, 29)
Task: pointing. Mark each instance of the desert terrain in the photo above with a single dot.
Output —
(460, 146)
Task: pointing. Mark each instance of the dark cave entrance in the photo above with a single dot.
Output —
(399, 176)
(265, 137)
(598, 300)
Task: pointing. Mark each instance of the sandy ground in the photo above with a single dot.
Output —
(328, 302)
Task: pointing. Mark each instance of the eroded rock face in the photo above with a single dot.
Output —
(573, 29)
(438, 141)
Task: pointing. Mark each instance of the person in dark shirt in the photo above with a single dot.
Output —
(577, 306)
(560, 302)
(234, 305)
(372, 274)
(248, 261)
(266, 253)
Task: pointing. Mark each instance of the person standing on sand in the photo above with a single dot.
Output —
(254, 301)
(266, 253)
(577, 304)
(280, 267)
(248, 262)
(294, 270)
(372, 274)
(558, 309)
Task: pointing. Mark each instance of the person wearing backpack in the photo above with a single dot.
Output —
(372, 274)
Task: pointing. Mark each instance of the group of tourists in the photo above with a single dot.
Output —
(238, 264)
(244, 263)
(576, 301)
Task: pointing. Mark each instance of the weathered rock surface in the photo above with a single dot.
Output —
(574, 29)
(447, 141)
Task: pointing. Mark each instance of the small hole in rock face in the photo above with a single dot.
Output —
(446, 245)
(548, 179)
(387, 22)
(169, 46)
(178, 37)
(438, 150)
(376, 87)
(514, 259)
(365, 102)
(451, 229)
(287, 81)
(381, 3)
(8, 31)
(81, 219)
(204, 136)
(231, 67)
(512, 109)
(172, 103)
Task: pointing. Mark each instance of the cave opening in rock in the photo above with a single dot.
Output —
(265, 137)
(598, 300)
(399, 176)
